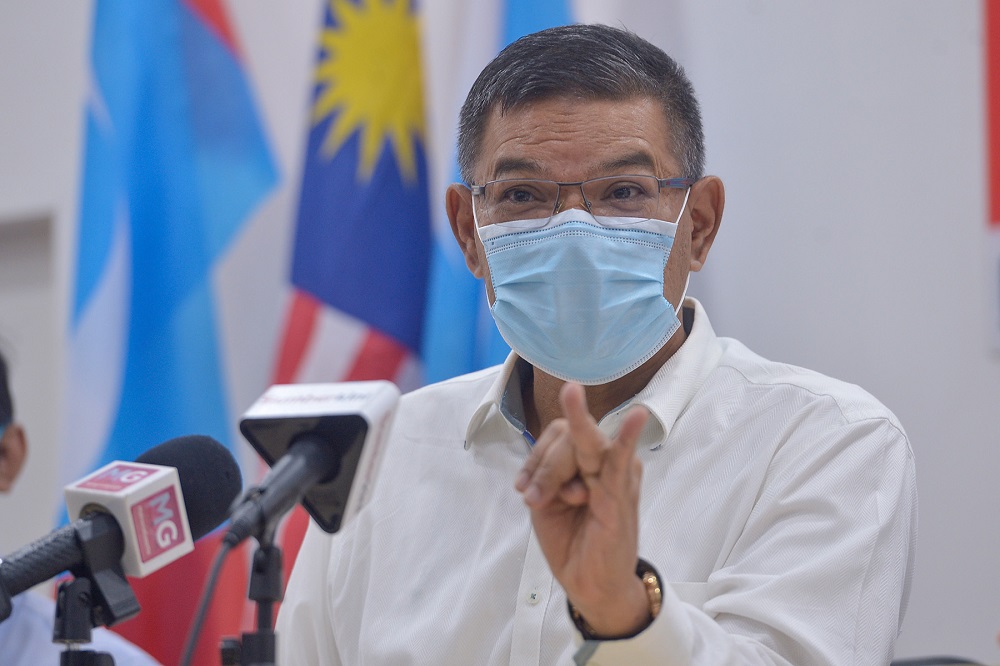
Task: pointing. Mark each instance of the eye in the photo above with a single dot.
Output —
(623, 190)
(626, 195)
(524, 194)
(518, 195)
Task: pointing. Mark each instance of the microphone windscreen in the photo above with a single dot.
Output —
(209, 475)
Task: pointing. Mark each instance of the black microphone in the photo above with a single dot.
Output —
(126, 513)
(317, 438)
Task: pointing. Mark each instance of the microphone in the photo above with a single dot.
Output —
(317, 438)
(133, 517)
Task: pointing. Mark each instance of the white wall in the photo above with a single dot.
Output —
(42, 80)
(851, 139)
(851, 136)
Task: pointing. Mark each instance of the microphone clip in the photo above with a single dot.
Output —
(98, 595)
(73, 624)
(111, 597)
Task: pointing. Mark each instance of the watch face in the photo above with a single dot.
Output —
(652, 584)
(651, 580)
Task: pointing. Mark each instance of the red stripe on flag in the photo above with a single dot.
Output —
(992, 27)
(379, 357)
(299, 329)
(164, 633)
(214, 15)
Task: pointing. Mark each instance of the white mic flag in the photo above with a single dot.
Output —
(147, 503)
(324, 443)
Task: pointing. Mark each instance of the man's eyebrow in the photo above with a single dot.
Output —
(519, 166)
(515, 166)
(630, 161)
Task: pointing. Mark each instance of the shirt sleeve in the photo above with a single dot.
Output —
(304, 627)
(820, 573)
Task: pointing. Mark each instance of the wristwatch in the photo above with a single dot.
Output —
(650, 580)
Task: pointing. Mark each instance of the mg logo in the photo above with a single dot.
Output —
(158, 524)
(164, 522)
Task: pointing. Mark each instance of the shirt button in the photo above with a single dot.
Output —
(534, 598)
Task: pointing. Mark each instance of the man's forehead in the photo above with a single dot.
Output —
(613, 135)
(636, 161)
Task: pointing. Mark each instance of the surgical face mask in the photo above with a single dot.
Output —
(581, 297)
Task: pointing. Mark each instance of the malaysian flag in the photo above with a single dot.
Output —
(362, 238)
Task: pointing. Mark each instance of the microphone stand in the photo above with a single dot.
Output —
(258, 648)
(99, 594)
(73, 625)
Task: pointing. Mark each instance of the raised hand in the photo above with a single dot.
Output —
(583, 491)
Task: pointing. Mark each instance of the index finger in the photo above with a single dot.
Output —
(588, 440)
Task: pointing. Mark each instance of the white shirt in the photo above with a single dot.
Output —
(778, 505)
(26, 637)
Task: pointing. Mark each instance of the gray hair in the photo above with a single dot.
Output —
(592, 62)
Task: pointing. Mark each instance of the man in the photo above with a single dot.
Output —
(682, 500)
(26, 635)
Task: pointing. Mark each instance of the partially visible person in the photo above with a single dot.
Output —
(26, 636)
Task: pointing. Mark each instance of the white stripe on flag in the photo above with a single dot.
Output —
(333, 348)
(96, 360)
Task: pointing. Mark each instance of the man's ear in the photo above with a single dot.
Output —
(708, 198)
(13, 451)
(458, 203)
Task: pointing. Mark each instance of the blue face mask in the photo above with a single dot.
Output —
(581, 297)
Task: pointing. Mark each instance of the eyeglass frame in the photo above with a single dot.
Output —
(661, 183)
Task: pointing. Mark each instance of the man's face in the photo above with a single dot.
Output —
(570, 140)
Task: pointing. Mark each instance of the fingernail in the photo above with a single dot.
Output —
(522, 480)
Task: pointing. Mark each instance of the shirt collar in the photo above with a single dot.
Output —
(498, 400)
(666, 396)
(675, 385)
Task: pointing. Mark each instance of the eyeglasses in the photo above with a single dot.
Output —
(629, 195)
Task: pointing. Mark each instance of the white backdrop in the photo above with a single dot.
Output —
(850, 136)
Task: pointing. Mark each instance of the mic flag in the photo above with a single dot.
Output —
(147, 503)
(324, 443)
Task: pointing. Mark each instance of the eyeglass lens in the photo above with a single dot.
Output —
(612, 196)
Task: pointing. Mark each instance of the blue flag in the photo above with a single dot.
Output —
(175, 162)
